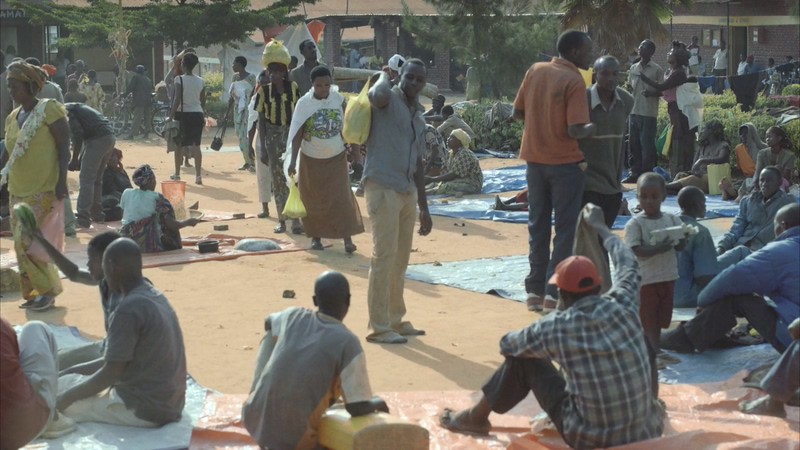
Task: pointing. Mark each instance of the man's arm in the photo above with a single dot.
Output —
(60, 131)
(86, 368)
(107, 376)
(625, 288)
(381, 92)
(581, 131)
(69, 268)
(425, 221)
(738, 227)
(759, 273)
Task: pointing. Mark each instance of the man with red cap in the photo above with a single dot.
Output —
(609, 394)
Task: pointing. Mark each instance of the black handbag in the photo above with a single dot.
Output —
(216, 143)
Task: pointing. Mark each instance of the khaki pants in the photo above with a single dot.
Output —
(106, 407)
(392, 216)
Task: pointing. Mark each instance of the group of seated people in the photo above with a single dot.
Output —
(605, 393)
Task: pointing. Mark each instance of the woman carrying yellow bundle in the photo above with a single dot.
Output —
(275, 108)
(37, 139)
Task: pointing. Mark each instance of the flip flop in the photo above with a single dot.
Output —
(447, 420)
(761, 407)
(388, 337)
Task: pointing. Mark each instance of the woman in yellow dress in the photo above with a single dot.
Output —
(37, 141)
(95, 96)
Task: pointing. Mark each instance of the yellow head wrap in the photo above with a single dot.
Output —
(276, 52)
(462, 136)
(26, 73)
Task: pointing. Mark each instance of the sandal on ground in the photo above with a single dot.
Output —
(297, 228)
(350, 248)
(762, 407)
(316, 244)
(175, 177)
(43, 303)
(198, 180)
(281, 228)
(263, 215)
(448, 420)
(387, 337)
(26, 305)
(406, 329)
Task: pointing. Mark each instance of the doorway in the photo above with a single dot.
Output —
(737, 45)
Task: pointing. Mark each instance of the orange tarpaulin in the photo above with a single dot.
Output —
(699, 417)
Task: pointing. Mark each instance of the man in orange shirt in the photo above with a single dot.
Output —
(553, 105)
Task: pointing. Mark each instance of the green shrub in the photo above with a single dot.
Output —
(505, 135)
(792, 89)
(213, 83)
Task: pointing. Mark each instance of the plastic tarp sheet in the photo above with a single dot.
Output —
(699, 417)
(98, 436)
(505, 179)
(76, 251)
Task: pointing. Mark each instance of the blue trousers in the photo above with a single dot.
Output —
(552, 190)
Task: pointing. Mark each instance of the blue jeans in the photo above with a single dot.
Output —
(642, 144)
(551, 190)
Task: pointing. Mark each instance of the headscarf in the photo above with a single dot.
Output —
(143, 175)
(753, 142)
(26, 73)
(50, 70)
(462, 136)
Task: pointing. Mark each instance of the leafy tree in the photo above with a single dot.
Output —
(499, 38)
(185, 22)
(618, 26)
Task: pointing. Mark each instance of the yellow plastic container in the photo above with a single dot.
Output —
(175, 192)
(716, 172)
(339, 431)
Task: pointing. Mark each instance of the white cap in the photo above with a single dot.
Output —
(395, 62)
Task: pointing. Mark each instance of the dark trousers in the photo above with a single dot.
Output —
(516, 377)
(512, 381)
(783, 379)
(554, 191)
(609, 203)
(642, 144)
(716, 320)
(141, 120)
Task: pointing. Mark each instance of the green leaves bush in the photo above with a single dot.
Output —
(792, 89)
(502, 135)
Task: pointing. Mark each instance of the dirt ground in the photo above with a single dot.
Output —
(221, 305)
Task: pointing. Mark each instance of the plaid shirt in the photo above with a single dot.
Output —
(466, 166)
(599, 343)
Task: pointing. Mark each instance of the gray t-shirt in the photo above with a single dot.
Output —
(306, 360)
(396, 139)
(639, 231)
(144, 332)
(302, 76)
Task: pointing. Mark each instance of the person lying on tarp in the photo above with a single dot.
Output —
(308, 359)
(142, 381)
(781, 383)
(764, 288)
(609, 396)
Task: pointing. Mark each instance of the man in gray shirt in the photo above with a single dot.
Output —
(302, 73)
(145, 360)
(394, 177)
(642, 140)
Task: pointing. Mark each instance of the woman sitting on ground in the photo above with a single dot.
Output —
(463, 174)
(714, 149)
(746, 155)
(779, 153)
(148, 217)
(115, 181)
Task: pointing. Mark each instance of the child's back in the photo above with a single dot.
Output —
(697, 261)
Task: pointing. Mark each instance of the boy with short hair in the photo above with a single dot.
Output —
(657, 260)
(697, 263)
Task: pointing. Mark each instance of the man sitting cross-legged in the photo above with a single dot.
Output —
(609, 395)
(308, 359)
(742, 290)
(142, 381)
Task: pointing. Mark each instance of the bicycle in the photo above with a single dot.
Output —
(121, 116)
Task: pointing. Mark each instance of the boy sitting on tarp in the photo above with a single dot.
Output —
(697, 263)
(307, 360)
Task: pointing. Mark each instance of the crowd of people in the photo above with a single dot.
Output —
(289, 124)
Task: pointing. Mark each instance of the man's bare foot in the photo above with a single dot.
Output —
(462, 422)
(728, 192)
(764, 406)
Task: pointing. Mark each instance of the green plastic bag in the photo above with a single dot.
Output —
(294, 208)
(664, 141)
(358, 118)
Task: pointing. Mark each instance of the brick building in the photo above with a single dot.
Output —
(763, 28)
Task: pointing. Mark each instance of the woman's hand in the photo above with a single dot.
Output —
(61, 189)
(292, 167)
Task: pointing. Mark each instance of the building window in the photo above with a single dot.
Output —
(712, 37)
(51, 38)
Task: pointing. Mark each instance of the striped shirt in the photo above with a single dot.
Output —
(599, 343)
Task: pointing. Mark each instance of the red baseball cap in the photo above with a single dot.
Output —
(576, 274)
